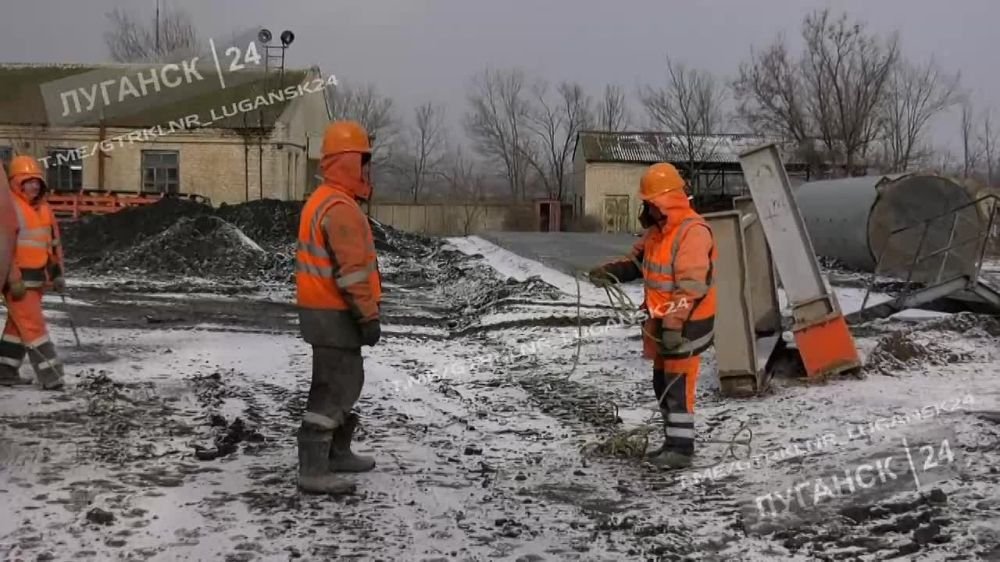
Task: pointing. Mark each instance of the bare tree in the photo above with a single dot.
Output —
(690, 107)
(129, 39)
(496, 123)
(424, 148)
(971, 148)
(465, 184)
(847, 73)
(915, 94)
(771, 97)
(831, 93)
(988, 141)
(367, 106)
(943, 161)
(612, 113)
(555, 124)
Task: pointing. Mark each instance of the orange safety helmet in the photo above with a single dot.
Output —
(23, 168)
(659, 179)
(345, 136)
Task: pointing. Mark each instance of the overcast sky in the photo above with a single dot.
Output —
(416, 50)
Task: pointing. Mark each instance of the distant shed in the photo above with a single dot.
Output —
(607, 167)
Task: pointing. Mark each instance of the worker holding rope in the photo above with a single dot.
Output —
(676, 258)
(38, 265)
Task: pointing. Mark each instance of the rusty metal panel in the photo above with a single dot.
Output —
(761, 276)
(735, 345)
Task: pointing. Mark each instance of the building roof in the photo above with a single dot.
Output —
(22, 101)
(650, 147)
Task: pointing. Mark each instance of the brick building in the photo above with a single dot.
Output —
(259, 138)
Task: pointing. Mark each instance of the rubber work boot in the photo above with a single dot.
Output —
(657, 451)
(9, 377)
(313, 475)
(56, 384)
(51, 381)
(342, 459)
(672, 460)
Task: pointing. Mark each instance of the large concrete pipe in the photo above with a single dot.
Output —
(851, 220)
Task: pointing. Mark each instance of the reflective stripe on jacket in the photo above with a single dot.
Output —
(336, 269)
(679, 286)
(37, 245)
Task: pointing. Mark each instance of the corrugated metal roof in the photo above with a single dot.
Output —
(650, 147)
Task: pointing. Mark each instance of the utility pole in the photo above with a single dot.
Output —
(277, 54)
(157, 28)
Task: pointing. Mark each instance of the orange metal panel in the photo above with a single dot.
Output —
(827, 347)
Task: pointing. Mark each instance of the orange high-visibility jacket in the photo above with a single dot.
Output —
(677, 268)
(8, 226)
(38, 256)
(337, 281)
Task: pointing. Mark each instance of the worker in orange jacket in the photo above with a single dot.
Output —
(38, 265)
(338, 293)
(675, 257)
(8, 225)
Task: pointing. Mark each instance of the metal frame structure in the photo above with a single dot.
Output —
(968, 283)
(739, 370)
(73, 206)
(264, 37)
(821, 333)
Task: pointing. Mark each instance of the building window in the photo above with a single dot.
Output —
(6, 154)
(65, 170)
(160, 171)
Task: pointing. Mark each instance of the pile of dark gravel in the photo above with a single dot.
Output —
(248, 242)
(95, 237)
(269, 222)
(200, 246)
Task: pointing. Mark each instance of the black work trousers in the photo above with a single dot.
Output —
(338, 375)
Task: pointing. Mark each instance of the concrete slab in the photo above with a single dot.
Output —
(568, 252)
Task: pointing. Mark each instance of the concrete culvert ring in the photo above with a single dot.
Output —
(911, 201)
(850, 221)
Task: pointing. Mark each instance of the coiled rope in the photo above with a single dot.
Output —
(622, 444)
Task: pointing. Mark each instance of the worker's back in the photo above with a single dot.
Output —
(8, 225)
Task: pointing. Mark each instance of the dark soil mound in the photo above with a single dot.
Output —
(901, 350)
(407, 244)
(94, 237)
(252, 241)
(269, 222)
(200, 246)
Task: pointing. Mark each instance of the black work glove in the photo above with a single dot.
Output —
(371, 332)
(671, 339)
(598, 276)
(17, 290)
(59, 284)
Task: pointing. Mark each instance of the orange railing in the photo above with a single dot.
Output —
(72, 206)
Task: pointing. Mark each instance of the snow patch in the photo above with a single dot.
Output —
(509, 264)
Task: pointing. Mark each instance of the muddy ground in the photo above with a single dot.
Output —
(175, 439)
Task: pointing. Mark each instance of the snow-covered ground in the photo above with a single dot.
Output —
(482, 408)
